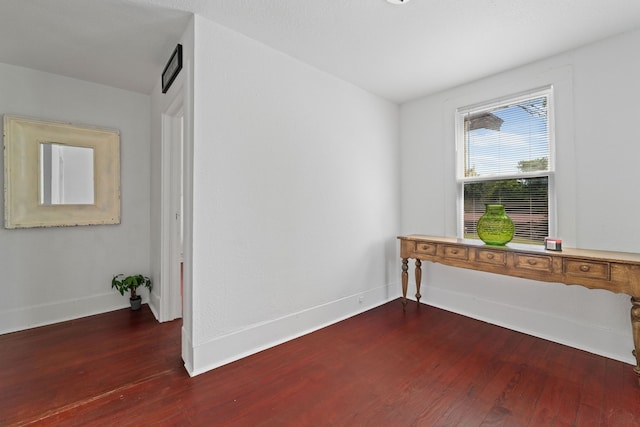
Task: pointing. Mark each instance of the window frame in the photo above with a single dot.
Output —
(460, 114)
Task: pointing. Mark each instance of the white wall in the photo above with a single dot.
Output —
(597, 151)
(177, 101)
(55, 274)
(295, 201)
(179, 96)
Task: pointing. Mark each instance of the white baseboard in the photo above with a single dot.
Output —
(22, 318)
(154, 305)
(228, 348)
(562, 330)
(187, 352)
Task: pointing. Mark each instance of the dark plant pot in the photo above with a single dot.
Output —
(136, 302)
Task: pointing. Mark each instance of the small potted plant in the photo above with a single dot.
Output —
(130, 283)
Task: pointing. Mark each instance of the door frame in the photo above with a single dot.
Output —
(171, 187)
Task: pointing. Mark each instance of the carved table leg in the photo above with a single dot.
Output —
(418, 279)
(635, 325)
(405, 281)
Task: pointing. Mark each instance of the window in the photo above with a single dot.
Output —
(505, 155)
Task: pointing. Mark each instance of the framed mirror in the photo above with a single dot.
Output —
(58, 174)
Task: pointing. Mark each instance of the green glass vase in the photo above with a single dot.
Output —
(495, 227)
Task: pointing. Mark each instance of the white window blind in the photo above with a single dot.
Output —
(507, 159)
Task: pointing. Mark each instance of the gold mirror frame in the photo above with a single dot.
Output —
(22, 207)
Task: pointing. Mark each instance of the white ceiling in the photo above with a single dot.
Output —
(398, 52)
(119, 43)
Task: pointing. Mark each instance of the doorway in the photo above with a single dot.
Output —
(172, 202)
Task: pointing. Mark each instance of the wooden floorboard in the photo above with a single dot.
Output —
(385, 367)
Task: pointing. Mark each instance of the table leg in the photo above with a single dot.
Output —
(405, 281)
(418, 279)
(635, 325)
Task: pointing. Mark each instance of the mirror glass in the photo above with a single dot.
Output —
(66, 175)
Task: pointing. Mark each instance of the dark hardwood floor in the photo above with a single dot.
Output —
(385, 367)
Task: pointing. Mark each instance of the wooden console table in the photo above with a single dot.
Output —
(614, 271)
